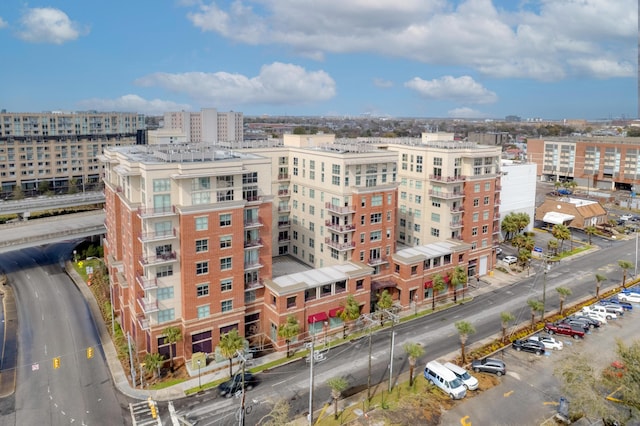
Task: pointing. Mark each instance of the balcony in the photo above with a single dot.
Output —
(284, 209)
(163, 258)
(340, 246)
(284, 177)
(377, 261)
(254, 285)
(148, 306)
(283, 193)
(284, 239)
(498, 188)
(250, 266)
(447, 179)
(333, 208)
(284, 224)
(143, 322)
(455, 224)
(147, 283)
(156, 212)
(496, 216)
(253, 199)
(456, 209)
(157, 236)
(496, 202)
(254, 243)
(253, 223)
(340, 228)
(446, 194)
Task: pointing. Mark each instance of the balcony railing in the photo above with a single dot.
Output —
(143, 322)
(339, 228)
(447, 179)
(284, 239)
(250, 266)
(283, 192)
(156, 236)
(498, 187)
(253, 285)
(457, 209)
(253, 198)
(496, 216)
(254, 243)
(283, 209)
(253, 223)
(446, 194)
(284, 224)
(148, 306)
(456, 224)
(166, 257)
(147, 283)
(377, 261)
(284, 177)
(157, 211)
(334, 208)
(340, 246)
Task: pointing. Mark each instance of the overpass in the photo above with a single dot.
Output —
(25, 206)
(20, 235)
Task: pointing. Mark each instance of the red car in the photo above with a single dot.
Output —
(564, 329)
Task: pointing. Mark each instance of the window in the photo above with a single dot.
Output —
(476, 187)
(335, 180)
(202, 245)
(435, 202)
(291, 302)
(225, 219)
(487, 186)
(484, 243)
(476, 202)
(166, 315)
(201, 183)
(416, 227)
(202, 290)
(475, 217)
(341, 286)
(375, 236)
(164, 293)
(485, 229)
(227, 305)
(359, 284)
(403, 195)
(164, 271)
(486, 201)
(362, 237)
(225, 241)
(202, 268)
(376, 200)
(226, 285)
(203, 311)
(435, 232)
(437, 161)
(474, 231)
(376, 218)
(418, 199)
(485, 215)
(325, 290)
(202, 223)
(363, 202)
(201, 198)
(335, 169)
(225, 263)
(414, 269)
(435, 217)
(161, 185)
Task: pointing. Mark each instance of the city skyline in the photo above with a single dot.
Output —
(445, 58)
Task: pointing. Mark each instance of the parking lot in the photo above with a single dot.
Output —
(529, 393)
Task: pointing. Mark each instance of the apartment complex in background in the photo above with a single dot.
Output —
(594, 162)
(50, 150)
(208, 126)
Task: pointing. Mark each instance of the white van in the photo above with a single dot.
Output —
(444, 378)
(469, 382)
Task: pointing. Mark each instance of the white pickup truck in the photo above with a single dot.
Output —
(598, 311)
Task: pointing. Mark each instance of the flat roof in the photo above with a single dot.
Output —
(317, 277)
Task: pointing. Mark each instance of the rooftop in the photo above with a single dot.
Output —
(178, 153)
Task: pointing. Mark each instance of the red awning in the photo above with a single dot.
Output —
(428, 284)
(321, 316)
(335, 312)
(446, 278)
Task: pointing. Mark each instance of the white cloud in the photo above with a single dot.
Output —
(462, 89)
(133, 103)
(382, 83)
(47, 25)
(277, 83)
(465, 113)
(3, 23)
(517, 43)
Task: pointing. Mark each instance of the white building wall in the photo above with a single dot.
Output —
(518, 194)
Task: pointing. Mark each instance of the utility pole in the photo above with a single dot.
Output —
(133, 369)
(242, 400)
(311, 357)
(393, 317)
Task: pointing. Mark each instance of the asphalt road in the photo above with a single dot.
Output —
(54, 321)
(435, 332)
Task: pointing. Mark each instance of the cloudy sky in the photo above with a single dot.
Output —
(409, 58)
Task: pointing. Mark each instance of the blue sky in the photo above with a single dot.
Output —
(410, 58)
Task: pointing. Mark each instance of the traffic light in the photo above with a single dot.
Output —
(153, 408)
(56, 362)
(89, 352)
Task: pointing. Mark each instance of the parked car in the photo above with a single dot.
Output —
(593, 323)
(594, 315)
(498, 251)
(528, 346)
(629, 297)
(548, 342)
(233, 385)
(575, 323)
(469, 382)
(442, 377)
(489, 365)
(632, 290)
(626, 217)
(564, 329)
(627, 306)
(612, 308)
(510, 259)
(599, 310)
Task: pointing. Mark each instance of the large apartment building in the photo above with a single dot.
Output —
(596, 162)
(208, 126)
(51, 150)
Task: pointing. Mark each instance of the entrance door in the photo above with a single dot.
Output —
(483, 265)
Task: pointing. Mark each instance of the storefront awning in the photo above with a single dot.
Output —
(335, 312)
(557, 218)
(321, 316)
(378, 285)
(429, 284)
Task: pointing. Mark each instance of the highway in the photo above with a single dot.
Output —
(43, 203)
(435, 332)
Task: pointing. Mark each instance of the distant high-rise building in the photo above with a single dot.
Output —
(207, 126)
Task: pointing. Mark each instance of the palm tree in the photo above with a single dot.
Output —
(385, 301)
(438, 285)
(465, 328)
(289, 330)
(506, 318)
(509, 226)
(172, 335)
(414, 351)
(552, 245)
(563, 292)
(458, 276)
(230, 344)
(522, 220)
(152, 363)
(599, 280)
(524, 256)
(625, 265)
(562, 233)
(337, 385)
(557, 185)
(536, 306)
(351, 312)
(590, 230)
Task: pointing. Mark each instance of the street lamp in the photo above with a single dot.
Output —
(326, 329)
(415, 304)
(199, 383)
(75, 257)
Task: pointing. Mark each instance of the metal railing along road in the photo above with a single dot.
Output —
(53, 202)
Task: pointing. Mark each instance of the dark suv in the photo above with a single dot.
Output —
(489, 365)
(234, 385)
(529, 346)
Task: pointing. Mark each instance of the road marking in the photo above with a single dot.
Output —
(550, 403)
(465, 421)
(507, 394)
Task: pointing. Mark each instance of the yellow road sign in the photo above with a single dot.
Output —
(56, 362)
